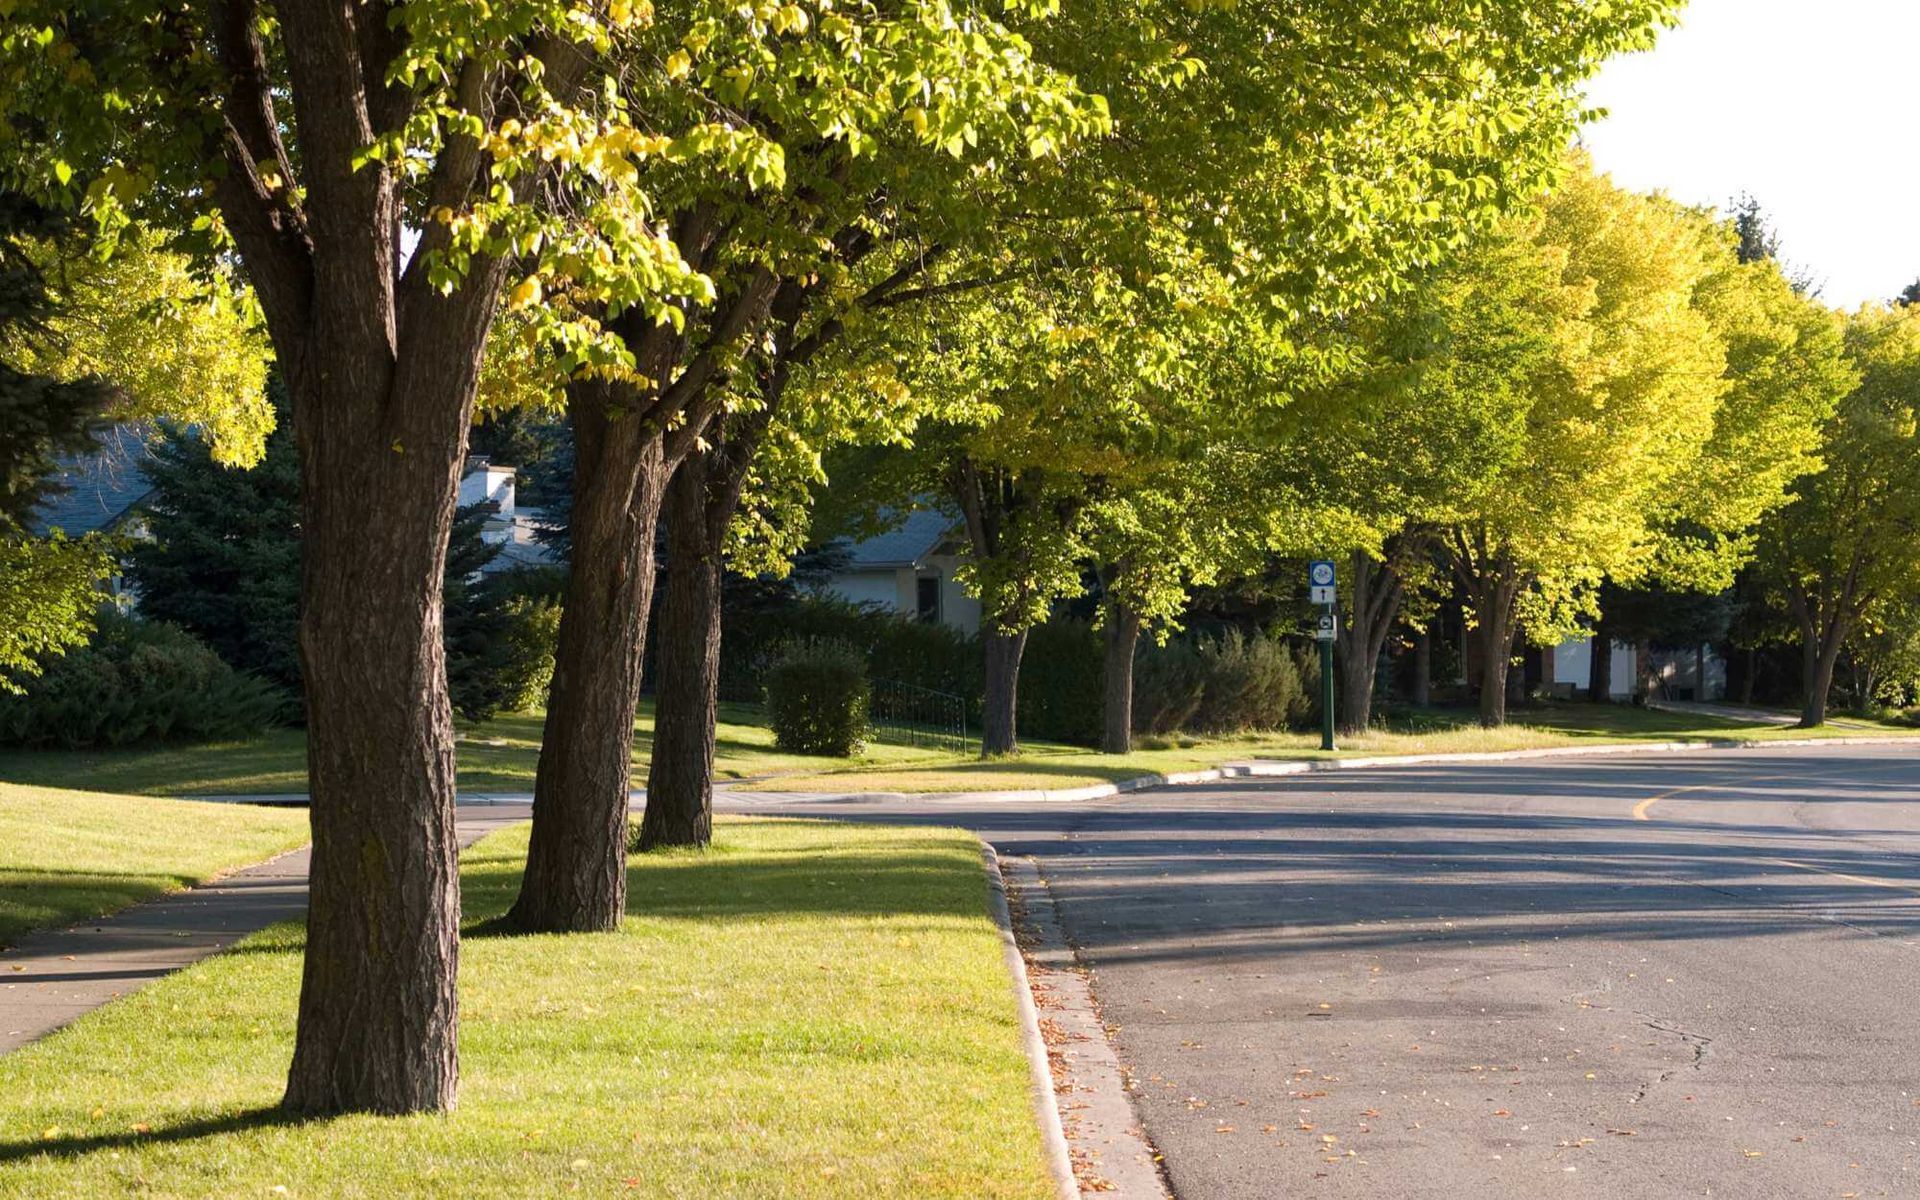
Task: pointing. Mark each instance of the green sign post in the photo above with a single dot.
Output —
(1320, 587)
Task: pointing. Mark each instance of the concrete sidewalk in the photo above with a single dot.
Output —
(55, 976)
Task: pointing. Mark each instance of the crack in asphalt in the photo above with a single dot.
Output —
(1697, 1041)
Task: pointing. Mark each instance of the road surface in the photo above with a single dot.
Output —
(1645, 976)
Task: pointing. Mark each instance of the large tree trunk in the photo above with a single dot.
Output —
(1375, 593)
(378, 1018)
(576, 877)
(1496, 644)
(1122, 638)
(1647, 679)
(1423, 668)
(1000, 695)
(1600, 667)
(687, 658)
(1820, 653)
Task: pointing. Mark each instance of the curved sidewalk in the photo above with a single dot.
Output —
(52, 977)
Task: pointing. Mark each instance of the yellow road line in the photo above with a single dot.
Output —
(1641, 810)
(1867, 879)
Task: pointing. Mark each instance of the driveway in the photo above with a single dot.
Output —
(1647, 976)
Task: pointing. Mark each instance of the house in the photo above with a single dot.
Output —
(100, 492)
(908, 569)
(1691, 674)
(104, 492)
(515, 530)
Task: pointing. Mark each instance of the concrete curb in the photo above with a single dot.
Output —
(1278, 768)
(1053, 1139)
(1106, 1138)
(1259, 769)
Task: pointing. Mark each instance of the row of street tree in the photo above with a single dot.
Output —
(1162, 289)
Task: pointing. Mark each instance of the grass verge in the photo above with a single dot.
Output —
(66, 856)
(494, 756)
(808, 1009)
(1427, 731)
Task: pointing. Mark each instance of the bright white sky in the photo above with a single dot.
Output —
(1807, 104)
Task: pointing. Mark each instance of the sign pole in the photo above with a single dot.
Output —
(1321, 589)
(1326, 693)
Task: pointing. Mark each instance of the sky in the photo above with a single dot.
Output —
(1807, 104)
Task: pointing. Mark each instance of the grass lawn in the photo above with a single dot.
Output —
(1430, 731)
(496, 756)
(66, 856)
(808, 1009)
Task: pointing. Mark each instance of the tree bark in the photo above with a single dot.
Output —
(378, 1018)
(680, 779)
(1000, 696)
(1423, 668)
(576, 876)
(1122, 638)
(1819, 686)
(1749, 680)
(1496, 643)
(1375, 593)
(1600, 667)
(1647, 680)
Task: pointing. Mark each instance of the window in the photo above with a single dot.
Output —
(927, 606)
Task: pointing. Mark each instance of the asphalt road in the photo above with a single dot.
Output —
(1652, 976)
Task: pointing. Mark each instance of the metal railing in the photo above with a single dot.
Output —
(918, 716)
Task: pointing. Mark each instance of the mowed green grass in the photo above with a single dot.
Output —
(494, 756)
(808, 1009)
(66, 856)
(1425, 731)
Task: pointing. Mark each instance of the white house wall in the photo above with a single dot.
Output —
(1573, 663)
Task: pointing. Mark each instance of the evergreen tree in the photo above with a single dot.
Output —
(224, 559)
(223, 563)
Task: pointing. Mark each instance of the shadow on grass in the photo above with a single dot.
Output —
(720, 885)
(75, 1145)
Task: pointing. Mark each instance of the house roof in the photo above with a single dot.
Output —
(902, 546)
(99, 488)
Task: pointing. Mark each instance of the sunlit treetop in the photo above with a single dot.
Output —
(565, 136)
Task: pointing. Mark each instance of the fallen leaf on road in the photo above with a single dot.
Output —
(1501, 1112)
(1754, 1153)
(1623, 1132)
(1224, 1129)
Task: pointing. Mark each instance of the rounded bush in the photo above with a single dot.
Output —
(139, 681)
(818, 698)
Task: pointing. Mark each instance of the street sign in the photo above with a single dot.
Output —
(1325, 631)
(1320, 581)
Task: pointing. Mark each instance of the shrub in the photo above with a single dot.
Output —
(139, 681)
(500, 648)
(1251, 683)
(898, 647)
(1168, 682)
(1060, 691)
(817, 697)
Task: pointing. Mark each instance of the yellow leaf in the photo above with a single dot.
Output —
(678, 64)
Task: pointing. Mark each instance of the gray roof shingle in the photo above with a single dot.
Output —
(99, 488)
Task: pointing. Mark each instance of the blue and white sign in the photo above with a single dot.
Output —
(1320, 580)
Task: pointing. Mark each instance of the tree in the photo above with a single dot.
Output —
(221, 560)
(879, 124)
(222, 556)
(311, 142)
(1611, 402)
(81, 343)
(1847, 540)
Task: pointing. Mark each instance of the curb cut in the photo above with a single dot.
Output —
(1053, 1139)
